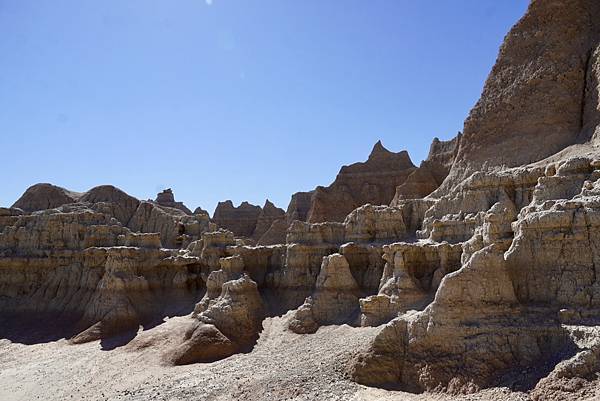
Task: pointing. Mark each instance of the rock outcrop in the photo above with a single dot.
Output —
(334, 301)
(44, 196)
(268, 215)
(491, 278)
(247, 220)
(299, 206)
(537, 99)
(509, 308)
(166, 198)
(385, 178)
(240, 220)
(373, 181)
(431, 172)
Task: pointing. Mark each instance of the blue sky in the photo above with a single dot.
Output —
(232, 99)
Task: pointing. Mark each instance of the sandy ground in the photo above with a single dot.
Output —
(282, 366)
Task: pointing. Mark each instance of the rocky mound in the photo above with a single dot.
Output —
(44, 196)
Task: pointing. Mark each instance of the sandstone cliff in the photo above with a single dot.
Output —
(535, 101)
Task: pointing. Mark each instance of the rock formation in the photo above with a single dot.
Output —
(240, 220)
(537, 99)
(478, 268)
(44, 196)
(335, 298)
(373, 181)
(521, 283)
(299, 206)
(432, 171)
(247, 220)
(166, 198)
(268, 215)
(384, 178)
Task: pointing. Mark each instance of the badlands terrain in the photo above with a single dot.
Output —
(473, 276)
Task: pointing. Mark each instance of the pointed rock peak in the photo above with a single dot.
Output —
(199, 210)
(270, 209)
(378, 149)
(45, 196)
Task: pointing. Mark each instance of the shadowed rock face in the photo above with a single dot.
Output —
(247, 220)
(373, 181)
(167, 198)
(432, 171)
(299, 206)
(44, 196)
(267, 216)
(241, 220)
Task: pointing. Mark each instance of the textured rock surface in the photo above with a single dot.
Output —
(268, 215)
(490, 280)
(44, 196)
(533, 101)
(334, 301)
(432, 171)
(249, 221)
(240, 220)
(167, 198)
(385, 178)
(299, 206)
(373, 181)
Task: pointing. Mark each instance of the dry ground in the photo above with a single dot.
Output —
(282, 366)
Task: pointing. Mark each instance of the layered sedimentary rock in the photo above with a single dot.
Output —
(431, 172)
(82, 267)
(334, 300)
(249, 221)
(373, 181)
(240, 220)
(177, 228)
(537, 96)
(167, 198)
(385, 178)
(229, 317)
(491, 279)
(527, 279)
(44, 196)
(268, 215)
(299, 206)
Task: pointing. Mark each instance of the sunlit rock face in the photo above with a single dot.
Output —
(478, 268)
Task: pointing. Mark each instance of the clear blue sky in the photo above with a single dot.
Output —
(232, 99)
